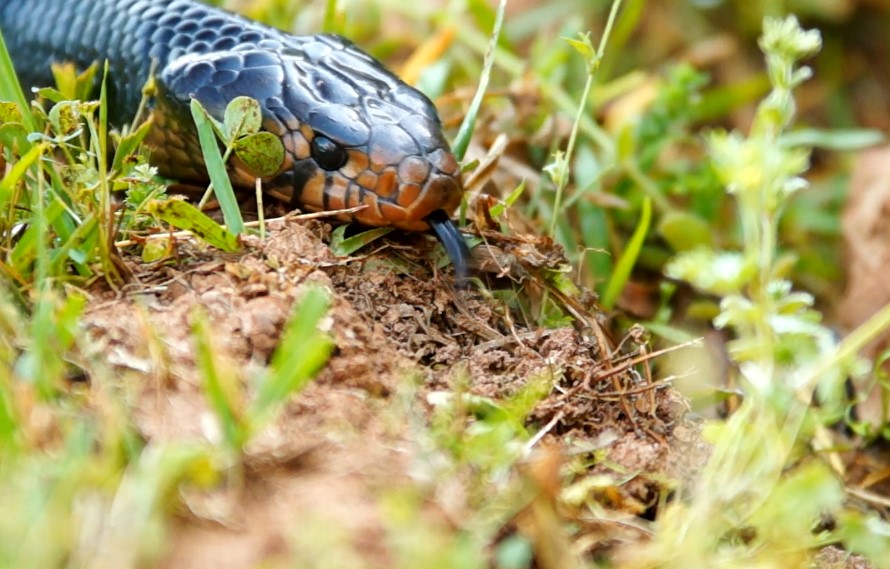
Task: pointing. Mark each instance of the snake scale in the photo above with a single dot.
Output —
(354, 134)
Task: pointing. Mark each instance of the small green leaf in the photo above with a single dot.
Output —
(562, 281)
(262, 153)
(155, 250)
(65, 117)
(184, 215)
(242, 118)
(52, 95)
(345, 246)
(583, 46)
(557, 168)
(499, 208)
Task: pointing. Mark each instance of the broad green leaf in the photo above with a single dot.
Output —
(799, 498)
(720, 101)
(867, 534)
(184, 215)
(10, 422)
(54, 328)
(594, 227)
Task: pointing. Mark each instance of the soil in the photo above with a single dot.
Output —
(405, 337)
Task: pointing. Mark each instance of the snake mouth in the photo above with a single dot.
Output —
(453, 242)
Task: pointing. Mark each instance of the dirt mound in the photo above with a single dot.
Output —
(403, 337)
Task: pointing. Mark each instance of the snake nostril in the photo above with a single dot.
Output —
(327, 153)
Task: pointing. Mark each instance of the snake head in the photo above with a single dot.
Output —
(354, 134)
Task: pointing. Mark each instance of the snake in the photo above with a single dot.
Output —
(354, 134)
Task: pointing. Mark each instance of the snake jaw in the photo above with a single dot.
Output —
(453, 242)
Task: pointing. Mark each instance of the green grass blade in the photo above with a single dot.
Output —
(9, 419)
(465, 133)
(329, 23)
(8, 183)
(28, 248)
(80, 249)
(10, 90)
(629, 258)
(53, 329)
(216, 168)
(303, 350)
(220, 385)
(345, 246)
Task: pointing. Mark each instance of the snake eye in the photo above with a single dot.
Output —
(327, 154)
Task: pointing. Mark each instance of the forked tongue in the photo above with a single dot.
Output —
(453, 242)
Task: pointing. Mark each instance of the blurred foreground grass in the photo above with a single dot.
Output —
(652, 178)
